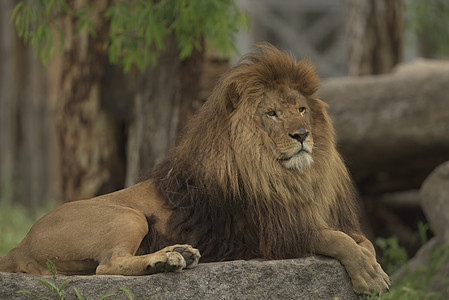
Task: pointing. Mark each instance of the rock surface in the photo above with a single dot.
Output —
(313, 277)
(435, 200)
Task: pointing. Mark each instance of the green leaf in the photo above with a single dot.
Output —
(48, 6)
(24, 292)
(63, 285)
(128, 293)
(15, 12)
(106, 296)
(137, 29)
(78, 295)
(50, 286)
(52, 268)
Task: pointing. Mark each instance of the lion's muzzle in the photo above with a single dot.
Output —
(300, 135)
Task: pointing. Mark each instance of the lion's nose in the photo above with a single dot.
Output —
(300, 135)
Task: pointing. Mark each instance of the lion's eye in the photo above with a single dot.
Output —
(302, 109)
(272, 113)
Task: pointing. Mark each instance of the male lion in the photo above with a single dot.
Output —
(256, 175)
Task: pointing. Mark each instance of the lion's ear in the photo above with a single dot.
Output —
(233, 97)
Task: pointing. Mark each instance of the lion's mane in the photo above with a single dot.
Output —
(230, 198)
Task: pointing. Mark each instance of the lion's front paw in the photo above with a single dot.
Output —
(166, 262)
(190, 254)
(367, 274)
(173, 259)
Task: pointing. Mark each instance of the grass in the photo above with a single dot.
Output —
(15, 222)
(56, 289)
(392, 256)
(414, 285)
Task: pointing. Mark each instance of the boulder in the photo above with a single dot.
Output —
(435, 200)
(312, 277)
(431, 261)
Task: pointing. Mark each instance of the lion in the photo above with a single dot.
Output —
(256, 175)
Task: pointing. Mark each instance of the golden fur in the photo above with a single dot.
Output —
(225, 162)
(256, 175)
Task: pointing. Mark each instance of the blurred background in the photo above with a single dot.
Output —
(94, 93)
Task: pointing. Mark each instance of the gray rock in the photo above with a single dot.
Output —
(435, 274)
(313, 277)
(421, 259)
(435, 200)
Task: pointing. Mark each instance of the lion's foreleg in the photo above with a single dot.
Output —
(360, 263)
(170, 259)
(362, 241)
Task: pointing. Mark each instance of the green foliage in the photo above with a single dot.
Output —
(33, 22)
(423, 229)
(137, 28)
(392, 255)
(56, 289)
(430, 21)
(14, 225)
(414, 284)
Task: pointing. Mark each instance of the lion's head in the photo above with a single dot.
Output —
(283, 114)
(263, 109)
(261, 149)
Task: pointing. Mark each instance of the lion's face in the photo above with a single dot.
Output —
(284, 115)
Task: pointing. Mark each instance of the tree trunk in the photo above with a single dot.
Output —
(26, 122)
(154, 124)
(190, 73)
(88, 135)
(374, 32)
(164, 100)
(392, 129)
(8, 107)
(62, 131)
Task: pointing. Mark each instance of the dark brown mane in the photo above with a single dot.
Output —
(229, 197)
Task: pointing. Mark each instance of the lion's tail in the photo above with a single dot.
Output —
(8, 263)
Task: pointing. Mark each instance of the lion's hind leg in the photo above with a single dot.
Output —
(170, 259)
